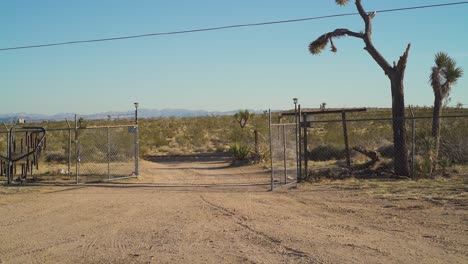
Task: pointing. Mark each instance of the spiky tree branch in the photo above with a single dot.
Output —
(321, 42)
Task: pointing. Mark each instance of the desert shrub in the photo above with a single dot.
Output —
(196, 134)
(422, 167)
(182, 140)
(455, 151)
(444, 163)
(424, 162)
(326, 152)
(240, 152)
(158, 139)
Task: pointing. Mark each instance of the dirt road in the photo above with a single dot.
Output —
(158, 219)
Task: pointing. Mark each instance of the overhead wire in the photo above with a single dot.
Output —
(227, 27)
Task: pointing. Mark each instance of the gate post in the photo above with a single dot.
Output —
(69, 147)
(77, 159)
(305, 147)
(137, 155)
(413, 139)
(345, 133)
(108, 154)
(271, 153)
(284, 156)
(8, 168)
(299, 176)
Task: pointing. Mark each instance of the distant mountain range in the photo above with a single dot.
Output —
(142, 113)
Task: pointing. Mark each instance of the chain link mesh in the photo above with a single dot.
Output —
(3, 152)
(57, 161)
(283, 154)
(103, 153)
(106, 153)
(371, 148)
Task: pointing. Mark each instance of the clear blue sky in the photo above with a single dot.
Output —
(255, 68)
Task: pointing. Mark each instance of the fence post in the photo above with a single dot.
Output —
(76, 150)
(345, 133)
(257, 151)
(306, 165)
(137, 169)
(8, 172)
(271, 152)
(413, 140)
(108, 154)
(69, 147)
(299, 178)
(284, 156)
(296, 121)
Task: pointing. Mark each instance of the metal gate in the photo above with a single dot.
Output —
(284, 154)
(72, 155)
(106, 153)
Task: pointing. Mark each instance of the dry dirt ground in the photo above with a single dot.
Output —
(161, 218)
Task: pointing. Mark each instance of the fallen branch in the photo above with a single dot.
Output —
(372, 164)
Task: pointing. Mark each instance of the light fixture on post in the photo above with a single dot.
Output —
(136, 112)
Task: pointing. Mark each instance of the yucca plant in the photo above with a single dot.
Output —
(445, 163)
(443, 76)
(240, 152)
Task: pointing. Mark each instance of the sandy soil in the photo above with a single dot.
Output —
(160, 218)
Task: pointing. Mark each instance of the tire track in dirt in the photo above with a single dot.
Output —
(239, 220)
(35, 254)
(88, 246)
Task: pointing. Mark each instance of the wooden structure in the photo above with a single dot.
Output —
(304, 123)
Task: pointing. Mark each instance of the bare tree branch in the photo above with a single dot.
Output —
(401, 66)
(364, 16)
(383, 63)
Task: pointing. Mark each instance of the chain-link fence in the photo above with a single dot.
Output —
(82, 155)
(106, 153)
(284, 154)
(3, 152)
(370, 151)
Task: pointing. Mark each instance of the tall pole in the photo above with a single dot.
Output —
(413, 139)
(77, 156)
(10, 165)
(137, 155)
(299, 178)
(69, 147)
(271, 156)
(284, 156)
(108, 154)
(297, 142)
(345, 134)
(305, 146)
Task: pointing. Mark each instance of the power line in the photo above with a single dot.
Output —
(226, 27)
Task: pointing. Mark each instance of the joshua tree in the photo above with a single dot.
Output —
(323, 106)
(243, 117)
(395, 73)
(444, 74)
(81, 122)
